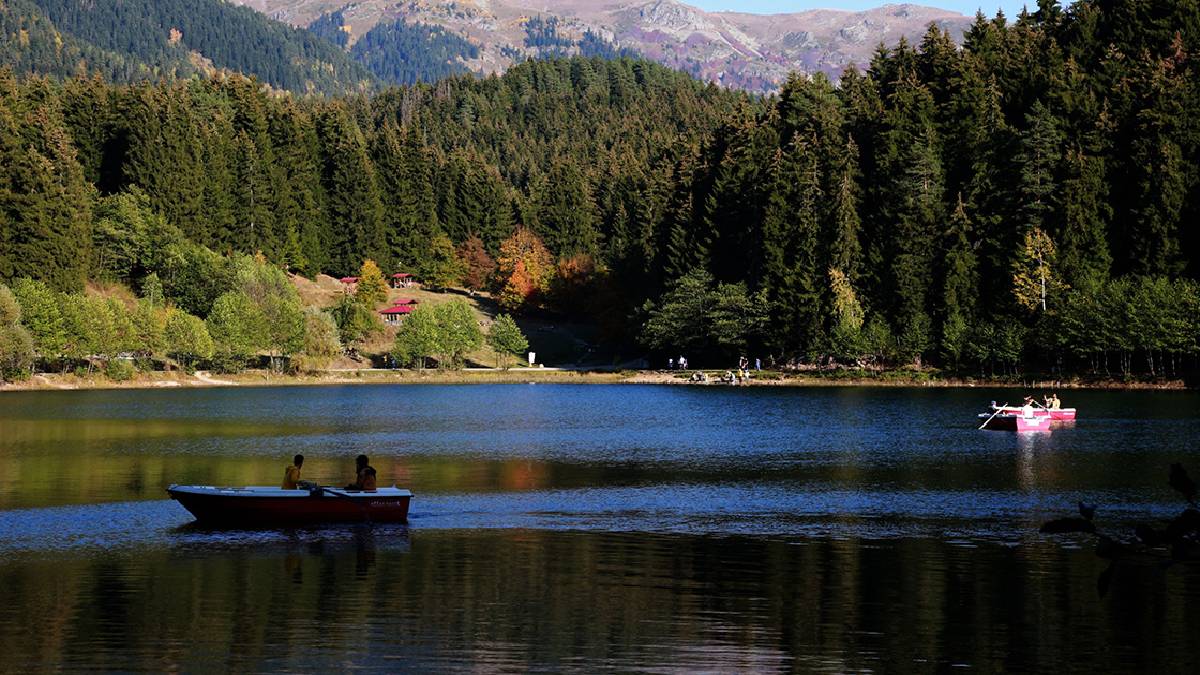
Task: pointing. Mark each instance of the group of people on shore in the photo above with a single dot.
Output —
(742, 374)
(364, 480)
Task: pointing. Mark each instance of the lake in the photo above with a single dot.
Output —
(593, 527)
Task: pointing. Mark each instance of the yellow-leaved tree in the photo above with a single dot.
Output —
(1033, 271)
(372, 288)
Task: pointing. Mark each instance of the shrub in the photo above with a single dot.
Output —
(119, 370)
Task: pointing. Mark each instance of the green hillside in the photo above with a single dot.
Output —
(130, 40)
(31, 44)
(398, 52)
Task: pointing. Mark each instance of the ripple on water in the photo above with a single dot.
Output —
(736, 509)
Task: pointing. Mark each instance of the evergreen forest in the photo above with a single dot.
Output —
(1024, 201)
(398, 52)
(161, 40)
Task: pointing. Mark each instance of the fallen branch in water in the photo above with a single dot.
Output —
(1177, 542)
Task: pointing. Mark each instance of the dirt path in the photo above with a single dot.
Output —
(42, 379)
(204, 377)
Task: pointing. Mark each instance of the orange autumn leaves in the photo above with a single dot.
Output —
(526, 274)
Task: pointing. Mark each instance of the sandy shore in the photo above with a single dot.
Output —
(202, 379)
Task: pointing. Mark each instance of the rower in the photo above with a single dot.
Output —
(291, 475)
(365, 475)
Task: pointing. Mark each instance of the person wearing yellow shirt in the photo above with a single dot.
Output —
(291, 475)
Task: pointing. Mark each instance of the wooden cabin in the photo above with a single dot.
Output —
(395, 314)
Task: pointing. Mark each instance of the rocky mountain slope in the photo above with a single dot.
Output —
(748, 51)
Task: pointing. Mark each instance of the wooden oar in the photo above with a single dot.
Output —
(985, 422)
(329, 490)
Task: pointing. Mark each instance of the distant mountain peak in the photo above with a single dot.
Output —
(738, 49)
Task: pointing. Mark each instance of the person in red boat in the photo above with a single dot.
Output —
(365, 475)
(291, 475)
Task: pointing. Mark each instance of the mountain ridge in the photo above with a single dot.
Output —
(741, 50)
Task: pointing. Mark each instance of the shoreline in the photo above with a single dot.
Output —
(367, 376)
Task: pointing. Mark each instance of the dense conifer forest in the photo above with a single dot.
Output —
(398, 52)
(154, 40)
(1024, 201)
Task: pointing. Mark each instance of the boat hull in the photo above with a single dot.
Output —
(1010, 422)
(1058, 415)
(262, 506)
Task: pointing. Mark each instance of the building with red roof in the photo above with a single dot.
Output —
(396, 313)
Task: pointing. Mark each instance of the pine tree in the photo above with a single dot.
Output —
(1039, 160)
(442, 268)
(793, 274)
(567, 213)
(844, 224)
(960, 288)
(410, 216)
(353, 198)
(1084, 256)
(45, 231)
(911, 160)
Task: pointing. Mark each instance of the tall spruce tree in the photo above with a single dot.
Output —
(355, 209)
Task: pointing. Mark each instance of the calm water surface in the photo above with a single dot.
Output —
(592, 527)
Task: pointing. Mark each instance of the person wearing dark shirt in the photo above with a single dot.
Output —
(364, 475)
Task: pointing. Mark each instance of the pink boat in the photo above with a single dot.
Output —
(1004, 421)
(1021, 418)
(1056, 414)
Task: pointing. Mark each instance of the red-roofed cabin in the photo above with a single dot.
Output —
(396, 314)
(350, 283)
(403, 280)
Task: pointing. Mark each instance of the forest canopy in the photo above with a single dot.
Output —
(1024, 198)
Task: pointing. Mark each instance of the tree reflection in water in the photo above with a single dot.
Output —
(377, 597)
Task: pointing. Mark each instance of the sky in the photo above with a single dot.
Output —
(1011, 7)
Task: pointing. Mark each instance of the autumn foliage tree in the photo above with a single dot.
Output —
(478, 267)
(574, 283)
(372, 288)
(517, 290)
(524, 270)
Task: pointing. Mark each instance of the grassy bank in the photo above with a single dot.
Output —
(177, 379)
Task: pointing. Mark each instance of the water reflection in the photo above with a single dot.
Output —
(530, 599)
(590, 528)
(87, 447)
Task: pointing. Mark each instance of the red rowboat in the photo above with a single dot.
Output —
(276, 506)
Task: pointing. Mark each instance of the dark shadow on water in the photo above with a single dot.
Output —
(362, 538)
